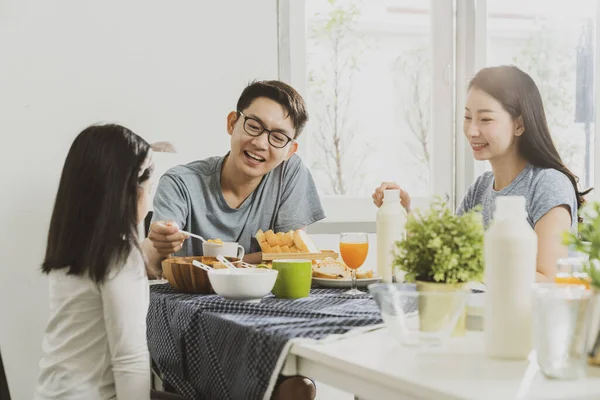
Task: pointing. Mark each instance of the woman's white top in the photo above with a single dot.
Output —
(95, 344)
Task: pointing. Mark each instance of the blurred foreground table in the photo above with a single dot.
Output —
(374, 366)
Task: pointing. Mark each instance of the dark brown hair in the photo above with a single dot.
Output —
(283, 94)
(94, 222)
(520, 97)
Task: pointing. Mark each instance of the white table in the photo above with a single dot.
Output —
(374, 366)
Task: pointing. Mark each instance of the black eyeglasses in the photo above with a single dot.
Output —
(255, 128)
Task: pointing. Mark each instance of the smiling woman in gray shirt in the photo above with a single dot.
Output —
(506, 125)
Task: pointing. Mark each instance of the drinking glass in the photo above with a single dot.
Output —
(570, 271)
(353, 249)
(560, 322)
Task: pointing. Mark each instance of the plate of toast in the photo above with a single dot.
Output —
(333, 273)
(290, 245)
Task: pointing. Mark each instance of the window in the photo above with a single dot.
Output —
(369, 87)
(385, 79)
(554, 43)
(369, 95)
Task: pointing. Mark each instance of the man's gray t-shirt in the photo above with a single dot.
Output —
(286, 199)
(543, 189)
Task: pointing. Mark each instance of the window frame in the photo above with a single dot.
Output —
(471, 55)
(459, 50)
(595, 173)
(472, 16)
(358, 213)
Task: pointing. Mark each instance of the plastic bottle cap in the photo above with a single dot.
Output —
(510, 207)
(391, 194)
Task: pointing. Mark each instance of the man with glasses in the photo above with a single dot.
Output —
(259, 184)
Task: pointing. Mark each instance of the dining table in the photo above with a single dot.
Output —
(373, 365)
(207, 347)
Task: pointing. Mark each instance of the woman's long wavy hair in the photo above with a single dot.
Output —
(520, 97)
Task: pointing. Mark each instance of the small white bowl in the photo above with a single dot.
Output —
(243, 284)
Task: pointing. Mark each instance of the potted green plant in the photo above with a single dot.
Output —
(587, 241)
(441, 252)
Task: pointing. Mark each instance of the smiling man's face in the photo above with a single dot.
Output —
(253, 156)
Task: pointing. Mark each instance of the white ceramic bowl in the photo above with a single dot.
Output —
(244, 284)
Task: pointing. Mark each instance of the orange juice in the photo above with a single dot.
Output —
(573, 279)
(354, 254)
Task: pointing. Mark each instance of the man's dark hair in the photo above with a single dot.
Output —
(283, 94)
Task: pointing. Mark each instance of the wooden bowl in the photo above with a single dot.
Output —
(185, 277)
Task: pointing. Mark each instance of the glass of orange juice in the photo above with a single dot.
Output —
(353, 249)
(570, 271)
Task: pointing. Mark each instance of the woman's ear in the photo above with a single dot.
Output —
(232, 118)
(520, 127)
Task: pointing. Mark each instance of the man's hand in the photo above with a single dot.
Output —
(166, 237)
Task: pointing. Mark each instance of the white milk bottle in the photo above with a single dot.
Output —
(510, 251)
(391, 218)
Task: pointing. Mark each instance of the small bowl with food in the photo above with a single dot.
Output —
(185, 277)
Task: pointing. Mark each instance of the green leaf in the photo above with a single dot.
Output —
(587, 240)
(440, 246)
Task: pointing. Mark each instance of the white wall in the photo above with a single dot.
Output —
(169, 70)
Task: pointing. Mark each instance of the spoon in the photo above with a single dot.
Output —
(225, 261)
(201, 238)
(245, 264)
(198, 264)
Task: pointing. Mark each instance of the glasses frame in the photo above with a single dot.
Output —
(269, 133)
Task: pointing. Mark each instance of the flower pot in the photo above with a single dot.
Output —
(434, 311)
(593, 331)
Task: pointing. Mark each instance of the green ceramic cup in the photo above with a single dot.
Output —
(294, 278)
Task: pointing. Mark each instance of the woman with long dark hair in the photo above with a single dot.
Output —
(95, 343)
(506, 125)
